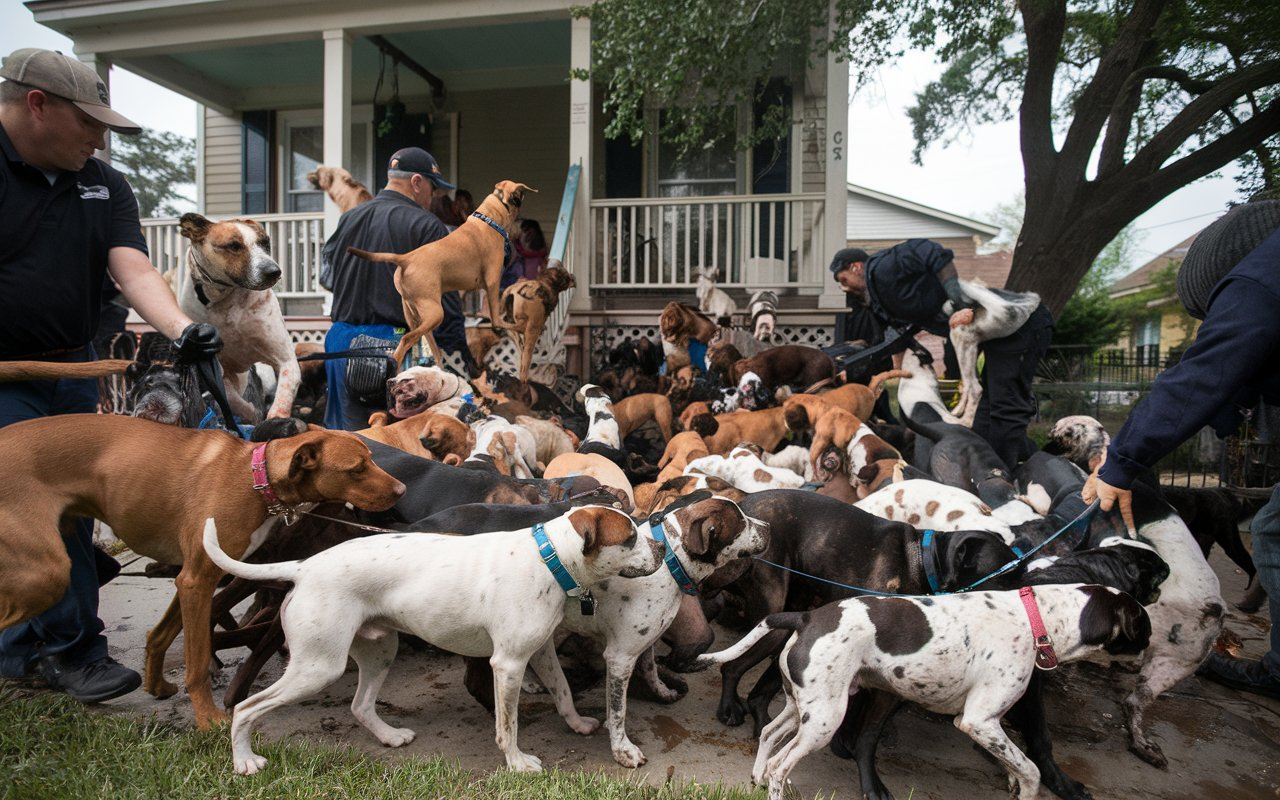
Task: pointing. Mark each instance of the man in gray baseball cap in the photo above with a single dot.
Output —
(67, 222)
(67, 78)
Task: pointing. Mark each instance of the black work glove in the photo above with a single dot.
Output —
(199, 342)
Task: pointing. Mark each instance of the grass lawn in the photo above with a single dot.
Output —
(51, 747)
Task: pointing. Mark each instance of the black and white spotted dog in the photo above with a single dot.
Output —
(970, 655)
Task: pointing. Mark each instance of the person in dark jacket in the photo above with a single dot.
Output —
(915, 284)
(365, 299)
(1231, 280)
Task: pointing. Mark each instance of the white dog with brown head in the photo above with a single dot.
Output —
(226, 281)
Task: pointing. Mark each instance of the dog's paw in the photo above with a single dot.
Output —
(396, 737)
(523, 762)
(251, 765)
(629, 756)
(584, 725)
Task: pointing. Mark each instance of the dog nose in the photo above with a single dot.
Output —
(271, 271)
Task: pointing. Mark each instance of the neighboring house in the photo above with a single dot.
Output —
(1162, 325)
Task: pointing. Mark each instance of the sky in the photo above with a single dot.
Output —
(971, 177)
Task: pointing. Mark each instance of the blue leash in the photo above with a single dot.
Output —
(1079, 522)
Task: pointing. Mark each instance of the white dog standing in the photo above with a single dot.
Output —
(226, 281)
(492, 594)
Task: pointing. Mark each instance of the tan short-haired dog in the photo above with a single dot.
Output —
(155, 485)
(527, 303)
(472, 257)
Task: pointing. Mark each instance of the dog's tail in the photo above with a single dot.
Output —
(876, 384)
(53, 370)
(278, 571)
(389, 258)
(784, 620)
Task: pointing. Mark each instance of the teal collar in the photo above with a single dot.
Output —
(672, 561)
(549, 557)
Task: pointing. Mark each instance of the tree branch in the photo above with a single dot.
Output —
(1196, 113)
(1044, 24)
(1096, 103)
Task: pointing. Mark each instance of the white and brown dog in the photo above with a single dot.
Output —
(712, 300)
(744, 470)
(999, 313)
(704, 533)
(969, 655)
(226, 281)
(505, 602)
(418, 389)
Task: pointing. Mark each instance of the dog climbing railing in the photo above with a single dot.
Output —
(773, 240)
(296, 240)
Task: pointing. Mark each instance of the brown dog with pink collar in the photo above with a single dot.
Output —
(155, 485)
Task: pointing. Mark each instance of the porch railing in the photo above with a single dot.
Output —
(296, 240)
(756, 241)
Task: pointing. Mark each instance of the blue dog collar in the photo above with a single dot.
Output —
(926, 555)
(549, 557)
(506, 240)
(672, 561)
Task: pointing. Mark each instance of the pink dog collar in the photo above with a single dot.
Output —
(262, 486)
(1046, 659)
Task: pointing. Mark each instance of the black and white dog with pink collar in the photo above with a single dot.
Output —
(970, 655)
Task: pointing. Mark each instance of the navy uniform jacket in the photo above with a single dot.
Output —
(1234, 362)
(903, 286)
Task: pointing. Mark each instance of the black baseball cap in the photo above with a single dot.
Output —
(846, 257)
(68, 78)
(415, 159)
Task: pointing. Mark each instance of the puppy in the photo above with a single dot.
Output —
(683, 448)
(999, 313)
(550, 437)
(344, 190)
(744, 470)
(526, 305)
(434, 436)
(969, 655)
(354, 599)
(788, 365)
(596, 466)
(633, 411)
(417, 389)
(226, 281)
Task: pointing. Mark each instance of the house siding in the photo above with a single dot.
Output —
(518, 135)
(222, 164)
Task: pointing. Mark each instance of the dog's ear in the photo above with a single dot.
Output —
(305, 458)
(452, 459)
(867, 474)
(697, 535)
(796, 417)
(193, 226)
(705, 425)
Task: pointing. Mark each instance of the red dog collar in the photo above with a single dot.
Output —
(1046, 659)
(263, 486)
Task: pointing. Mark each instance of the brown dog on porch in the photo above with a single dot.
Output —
(472, 257)
(526, 304)
(155, 485)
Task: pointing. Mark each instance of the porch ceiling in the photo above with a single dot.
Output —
(276, 60)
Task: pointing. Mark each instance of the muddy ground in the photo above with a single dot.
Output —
(1220, 743)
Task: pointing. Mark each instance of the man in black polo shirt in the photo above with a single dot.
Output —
(67, 220)
(365, 299)
(910, 284)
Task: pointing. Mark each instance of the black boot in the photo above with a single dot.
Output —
(94, 682)
(1247, 676)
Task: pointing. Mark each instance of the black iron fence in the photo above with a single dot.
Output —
(1108, 384)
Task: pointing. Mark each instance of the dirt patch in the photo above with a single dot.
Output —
(1220, 743)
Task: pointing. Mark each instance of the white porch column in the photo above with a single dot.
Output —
(837, 171)
(102, 66)
(337, 110)
(580, 153)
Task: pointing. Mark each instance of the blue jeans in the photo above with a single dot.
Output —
(1266, 557)
(71, 628)
(342, 411)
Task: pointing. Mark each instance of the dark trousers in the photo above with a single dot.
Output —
(1008, 402)
(71, 628)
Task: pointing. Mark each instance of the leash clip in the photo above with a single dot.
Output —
(1046, 659)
